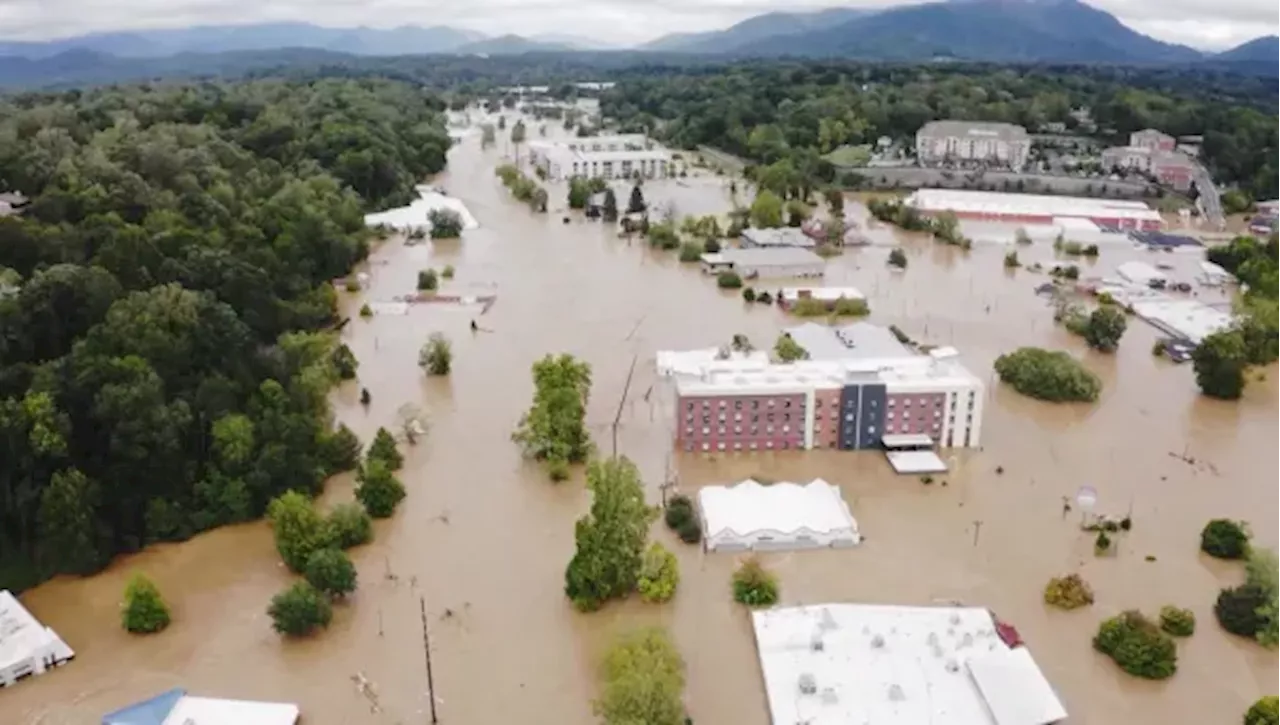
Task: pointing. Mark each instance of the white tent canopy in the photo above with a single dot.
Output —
(416, 215)
(751, 516)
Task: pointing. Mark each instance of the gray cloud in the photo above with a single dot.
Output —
(1200, 23)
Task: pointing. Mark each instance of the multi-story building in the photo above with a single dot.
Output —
(1170, 168)
(855, 389)
(1152, 140)
(606, 157)
(969, 142)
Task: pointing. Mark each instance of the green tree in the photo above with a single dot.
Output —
(610, 539)
(1048, 375)
(728, 280)
(755, 586)
(898, 258)
(445, 223)
(145, 611)
(788, 350)
(1106, 327)
(436, 356)
(1225, 539)
(341, 450)
(1176, 621)
(331, 571)
(690, 252)
(1266, 711)
(488, 136)
(659, 574)
(349, 525)
(682, 519)
(68, 535)
(378, 489)
(518, 132)
(1011, 260)
(636, 203)
(344, 361)
(1220, 361)
(554, 428)
(579, 193)
(663, 236)
(609, 212)
(835, 201)
(766, 210)
(428, 280)
(300, 610)
(1239, 610)
(1263, 572)
(384, 450)
(1138, 646)
(643, 681)
(299, 530)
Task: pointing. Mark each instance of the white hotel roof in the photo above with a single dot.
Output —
(992, 202)
(851, 664)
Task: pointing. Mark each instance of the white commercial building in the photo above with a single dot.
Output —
(765, 262)
(1142, 274)
(753, 238)
(674, 363)
(176, 707)
(853, 664)
(1035, 208)
(606, 157)
(1183, 319)
(27, 647)
(779, 516)
(998, 144)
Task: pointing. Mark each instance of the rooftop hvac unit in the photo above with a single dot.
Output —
(808, 685)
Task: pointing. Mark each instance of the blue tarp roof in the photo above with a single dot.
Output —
(147, 712)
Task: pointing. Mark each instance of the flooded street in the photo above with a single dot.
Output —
(484, 536)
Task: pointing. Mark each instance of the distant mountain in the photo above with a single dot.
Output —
(1266, 48)
(406, 40)
(574, 42)
(510, 45)
(982, 30)
(760, 27)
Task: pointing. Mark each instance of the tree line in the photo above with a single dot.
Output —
(164, 354)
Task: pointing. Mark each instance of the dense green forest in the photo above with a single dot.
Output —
(164, 358)
(769, 112)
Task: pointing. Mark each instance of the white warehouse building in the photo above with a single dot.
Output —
(27, 647)
(605, 157)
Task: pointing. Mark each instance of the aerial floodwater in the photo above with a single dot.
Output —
(483, 537)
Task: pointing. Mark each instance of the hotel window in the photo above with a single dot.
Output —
(737, 446)
(706, 431)
(720, 430)
(769, 417)
(786, 417)
(785, 445)
(768, 429)
(720, 446)
(688, 431)
(817, 403)
(688, 447)
(848, 417)
(817, 429)
(737, 405)
(772, 402)
(753, 445)
(937, 414)
(906, 403)
(737, 429)
(721, 417)
(706, 419)
(786, 404)
(871, 429)
(835, 415)
(723, 404)
(890, 416)
(755, 418)
(689, 406)
(755, 430)
(891, 402)
(737, 416)
(706, 404)
(688, 417)
(786, 429)
(706, 446)
(768, 444)
(755, 405)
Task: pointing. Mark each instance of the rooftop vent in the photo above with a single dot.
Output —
(829, 696)
(815, 642)
(953, 666)
(896, 694)
(808, 685)
(877, 642)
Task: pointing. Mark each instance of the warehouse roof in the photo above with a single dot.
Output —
(977, 129)
(767, 256)
(992, 202)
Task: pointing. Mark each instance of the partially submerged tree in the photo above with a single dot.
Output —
(659, 574)
(1068, 592)
(384, 449)
(300, 610)
(349, 525)
(1220, 361)
(554, 429)
(766, 210)
(145, 611)
(436, 356)
(428, 280)
(378, 489)
(643, 681)
(610, 539)
(788, 350)
(1048, 375)
(898, 258)
(755, 586)
(445, 224)
(1225, 539)
(1105, 328)
(331, 571)
(298, 529)
(1138, 646)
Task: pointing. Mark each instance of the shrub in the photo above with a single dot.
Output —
(1090, 250)
(1137, 646)
(427, 280)
(808, 307)
(753, 585)
(344, 362)
(299, 610)
(558, 469)
(1263, 571)
(1068, 592)
(1102, 544)
(1177, 621)
(659, 574)
(384, 449)
(748, 294)
(764, 298)
(1048, 375)
(447, 272)
(728, 280)
(436, 356)
(352, 285)
(445, 224)
(690, 252)
(663, 236)
(1265, 711)
(366, 311)
(340, 450)
(144, 609)
(1238, 609)
(1224, 539)
(331, 571)
(788, 350)
(642, 681)
(682, 519)
(846, 307)
(349, 525)
(297, 528)
(1105, 328)
(379, 490)
(898, 258)
(711, 246)
(1011, 260)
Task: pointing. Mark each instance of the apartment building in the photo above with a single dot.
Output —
(1152, 140)
(607, 157)
(1170, 168)
(973, 143)
(845, 402)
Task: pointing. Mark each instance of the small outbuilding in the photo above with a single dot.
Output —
(27, 647)
(773, 262)
(751, 516)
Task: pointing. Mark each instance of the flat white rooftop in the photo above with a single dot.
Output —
(778, 516)
(672, 363)
(915, 462)
(417, 214)
(824, 294)
(26, 646)
(1140, 273)
(1186, 319)
(998, 203)
(176, 707)
(854, 664)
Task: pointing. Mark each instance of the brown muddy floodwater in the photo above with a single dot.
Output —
(484, 536)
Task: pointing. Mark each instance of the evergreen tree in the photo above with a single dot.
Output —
(636, 203)
(611, 538)
(379, 490)
(144, 610)
(384, 450)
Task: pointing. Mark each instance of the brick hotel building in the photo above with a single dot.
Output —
(858, 386)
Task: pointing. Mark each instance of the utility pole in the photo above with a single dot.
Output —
(622, 401)
(426, 648)
(977, 529)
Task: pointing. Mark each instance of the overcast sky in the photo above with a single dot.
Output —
(1208, 24)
